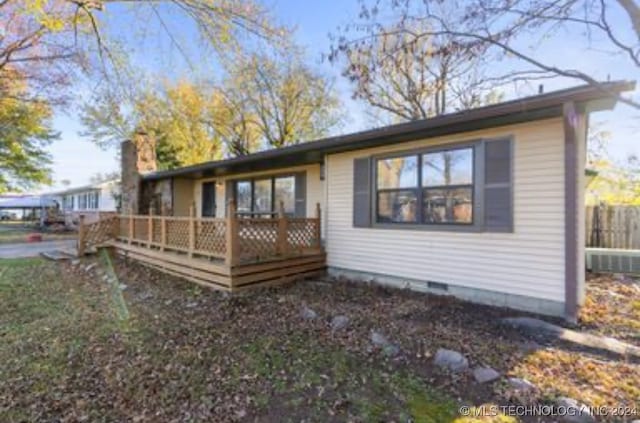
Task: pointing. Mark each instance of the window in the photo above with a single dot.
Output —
(262, 197)
(447, 180)
(285, 193)
(435, 187)
(82, 201)
(243, 196)
(396, 203)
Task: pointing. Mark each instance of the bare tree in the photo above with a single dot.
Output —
(499, 26)
(411, 77)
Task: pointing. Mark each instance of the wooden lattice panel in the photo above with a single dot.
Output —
(141, 229)
(98, 232)
(157, 230)
(211, 237)
(123, 227)
(302, 233)
(177, 234)
(258, 238)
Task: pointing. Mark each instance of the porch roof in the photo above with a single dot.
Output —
(537, 107)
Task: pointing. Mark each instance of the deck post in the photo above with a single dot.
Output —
(318, 226)
(163, 232)
(81, 236)
(232, 240)
(131, 226)
(281, 246)
(150, 226)
(192, 230)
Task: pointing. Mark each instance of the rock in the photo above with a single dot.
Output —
(521, 384)
(192, 304)
(378, 339)
(145, 296)
(90, 267)
(451, 360)
(75, 262)
(339, 323)
(485, 374)
(573, 412)
(391, 350)
(122, 287)
(308, 313)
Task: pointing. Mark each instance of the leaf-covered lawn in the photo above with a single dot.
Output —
(612, 307)
(73, 348)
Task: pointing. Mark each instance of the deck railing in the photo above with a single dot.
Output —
(234, 239)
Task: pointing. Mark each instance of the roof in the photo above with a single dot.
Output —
(89, 187)
(25, 202)
(542, 106)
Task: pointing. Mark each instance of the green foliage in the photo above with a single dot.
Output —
(25, 132)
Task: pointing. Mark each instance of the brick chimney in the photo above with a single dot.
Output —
(138, 157)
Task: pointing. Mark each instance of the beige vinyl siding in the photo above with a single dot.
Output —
(529, 261)
(314, 187)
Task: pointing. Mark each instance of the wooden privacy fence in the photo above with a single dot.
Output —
(613, 226)
(233, 239)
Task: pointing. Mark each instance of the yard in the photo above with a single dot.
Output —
(80, 342)
(16, 232)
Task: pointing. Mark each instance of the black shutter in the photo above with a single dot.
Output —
(362, 193)
(301, 194)
(229, 194)
(498, 180)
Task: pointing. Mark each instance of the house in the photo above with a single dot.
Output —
(92, 201)
(485, 204)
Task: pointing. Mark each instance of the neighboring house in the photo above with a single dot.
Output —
(92, 201)
(485, 204)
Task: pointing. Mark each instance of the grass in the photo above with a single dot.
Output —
(16, 232)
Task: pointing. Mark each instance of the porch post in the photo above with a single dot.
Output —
(130, 226)
(281, 246)
(192, 230)
(81, 236)
(150, 226)
(318, 228)
(232, 241)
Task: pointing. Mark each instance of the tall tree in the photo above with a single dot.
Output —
(408, 77)
(25, 133)
(177, 115)
(46, 42)
(509, 27)
(289, 101)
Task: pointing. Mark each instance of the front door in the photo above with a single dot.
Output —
(209, 199)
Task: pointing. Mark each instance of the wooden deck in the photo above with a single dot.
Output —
(231, 254)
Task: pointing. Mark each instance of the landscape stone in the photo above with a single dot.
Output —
(574, 412)
(308, 313)
(451, 360)
(521, 384)
(378, 339)
(485, 374)
(339, 322)
(391, 350)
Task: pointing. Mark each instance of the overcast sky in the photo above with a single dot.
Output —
(76, 159)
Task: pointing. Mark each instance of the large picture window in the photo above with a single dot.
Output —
(434, 187)
(262, 197)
